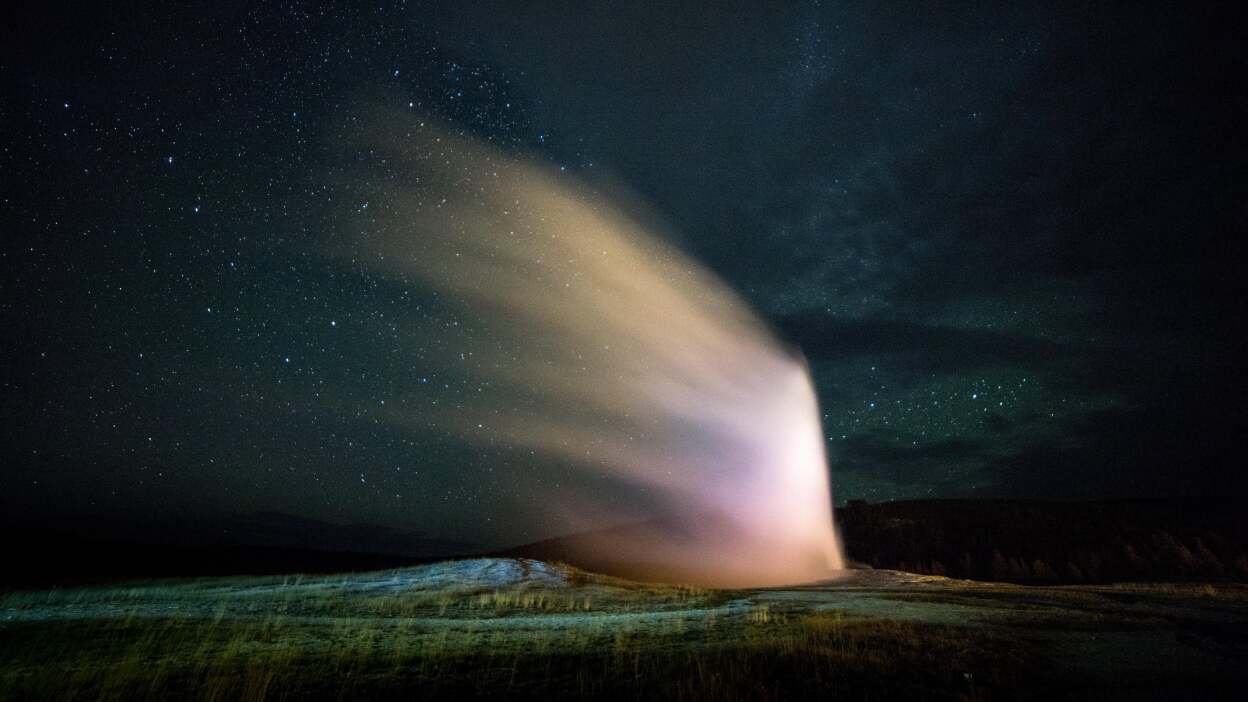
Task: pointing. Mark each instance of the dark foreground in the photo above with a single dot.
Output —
(504, 628)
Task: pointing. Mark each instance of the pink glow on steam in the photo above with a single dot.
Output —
(615, 352)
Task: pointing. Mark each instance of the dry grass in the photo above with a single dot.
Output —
(364, 637)
(763, 655)
(346, 638)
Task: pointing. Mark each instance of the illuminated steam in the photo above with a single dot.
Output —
(599, 346)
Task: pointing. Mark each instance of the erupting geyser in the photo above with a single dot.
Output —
(598, 346)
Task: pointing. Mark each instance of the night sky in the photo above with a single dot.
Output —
(1006, 237)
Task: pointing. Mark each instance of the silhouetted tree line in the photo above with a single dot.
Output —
(1052, 542)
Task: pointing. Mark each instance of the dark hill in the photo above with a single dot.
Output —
(80, 549)
(1033, 541)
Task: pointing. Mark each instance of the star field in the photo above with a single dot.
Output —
(1000, 238)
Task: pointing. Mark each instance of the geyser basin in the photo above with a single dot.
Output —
(598, 347)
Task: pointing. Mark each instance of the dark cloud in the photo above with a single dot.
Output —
(877, 448)
(998, 424)
(883, 458)
(926, 348)
(1141, 450)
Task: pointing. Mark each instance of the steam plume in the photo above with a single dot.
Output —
(611, 351)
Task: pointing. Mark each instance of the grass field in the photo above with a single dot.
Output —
(511, 629)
